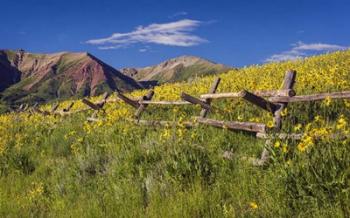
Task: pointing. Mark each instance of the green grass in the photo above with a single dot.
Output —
(67, 167)
(112, 172)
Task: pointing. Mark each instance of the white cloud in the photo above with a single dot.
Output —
(301, 50)
(177, 14)
(285, 56)
(176, 33)
(143, 49)
(300, 46)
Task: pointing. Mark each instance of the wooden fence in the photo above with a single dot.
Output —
(273, 101)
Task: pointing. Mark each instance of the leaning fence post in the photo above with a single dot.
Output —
(213, 88)
(260, 102)
(195, 100)
(127, 100)
(288, 83)
(91, 105)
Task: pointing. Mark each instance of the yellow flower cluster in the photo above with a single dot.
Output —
(36, 191)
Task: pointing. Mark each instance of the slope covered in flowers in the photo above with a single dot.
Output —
(66, 166)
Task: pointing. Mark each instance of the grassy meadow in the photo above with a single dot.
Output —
(53, 166)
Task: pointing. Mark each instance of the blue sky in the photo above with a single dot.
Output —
(140, 33)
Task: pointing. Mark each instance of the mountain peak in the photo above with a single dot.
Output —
(176, 69)
(41, 77)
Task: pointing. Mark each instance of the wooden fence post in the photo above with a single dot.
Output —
(288, 83)
(142, 107)
(213, 88)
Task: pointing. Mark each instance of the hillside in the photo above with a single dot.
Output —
(177, 69)
(32, 77)
(53, 166)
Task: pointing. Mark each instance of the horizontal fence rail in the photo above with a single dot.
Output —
(314, 97)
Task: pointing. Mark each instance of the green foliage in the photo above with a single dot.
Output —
(321, 179)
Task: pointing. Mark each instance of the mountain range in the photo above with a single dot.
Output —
(176, 69)
(28, 77)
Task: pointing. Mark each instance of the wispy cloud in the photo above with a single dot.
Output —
(178, 14)
(301, 50)
(178, 33)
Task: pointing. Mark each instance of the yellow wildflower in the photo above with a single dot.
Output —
(284, 112)
(253, 205)
(305, 143)
(277, 144)
(341, 123)
(318, 118)
(36, 191)
(297, 127)
(270, 124)
(327, 101)
(284, 148)
(347, 103)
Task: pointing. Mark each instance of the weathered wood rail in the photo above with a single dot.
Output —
(314, 97)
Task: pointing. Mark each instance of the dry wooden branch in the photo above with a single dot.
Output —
(142, 107)
(195, 100)
(314, 97)
(234, 125)
(212, 90)
(288, 92)
(259, 101)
